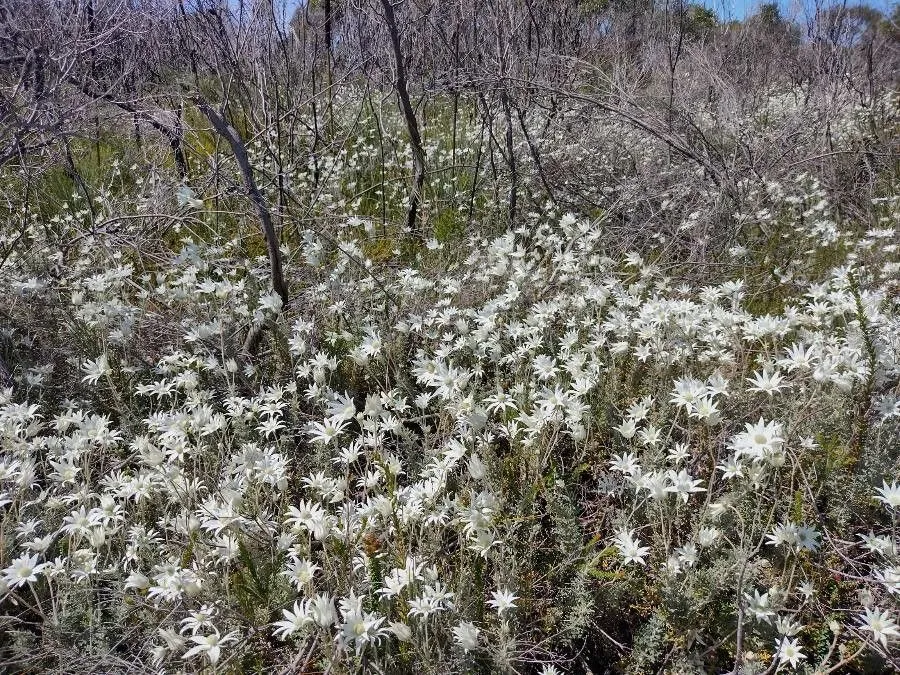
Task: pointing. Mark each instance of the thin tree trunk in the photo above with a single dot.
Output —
(228, 132)
(511, 156)
(409, 116)
(535, 156)
(329, 63)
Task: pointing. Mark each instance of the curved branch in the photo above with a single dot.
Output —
(229, 133)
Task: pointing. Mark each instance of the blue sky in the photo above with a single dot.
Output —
(738, 9)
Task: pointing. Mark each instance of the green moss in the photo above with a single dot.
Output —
(448, 226)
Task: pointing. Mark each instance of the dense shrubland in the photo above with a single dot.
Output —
(622, 396)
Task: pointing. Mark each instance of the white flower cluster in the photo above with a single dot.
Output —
(445, 461)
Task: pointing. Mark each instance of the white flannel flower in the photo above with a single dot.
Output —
(293, 621)
(503, 600)
(210, 646)
(466, 635)
(23, 570)
(889, 495)
(881, 624)
(789, 652)
(631, 548)
(95, 369)
(683, 484)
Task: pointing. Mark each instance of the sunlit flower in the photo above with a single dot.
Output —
(502, 600)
